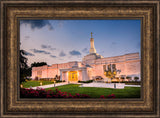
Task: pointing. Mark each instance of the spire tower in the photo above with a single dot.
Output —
(92, 48)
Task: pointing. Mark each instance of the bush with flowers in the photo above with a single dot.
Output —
(42, 93)
(108, 96)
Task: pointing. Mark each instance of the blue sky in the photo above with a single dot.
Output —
(60, 41)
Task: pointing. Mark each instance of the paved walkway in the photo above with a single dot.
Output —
(101, 85)
(133, 85)
(50, 85)
(105, 85)
(109, 85)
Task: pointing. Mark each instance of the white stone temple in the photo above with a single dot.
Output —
(92, 65)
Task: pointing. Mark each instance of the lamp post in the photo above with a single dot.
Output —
(21, 86)
(54, 83)
(119, 75)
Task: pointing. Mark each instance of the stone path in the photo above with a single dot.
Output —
(133, 85)
(109, 85)
(101, 85)
(105, 85)
(50, 85)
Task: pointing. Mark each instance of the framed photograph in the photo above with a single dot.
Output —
(73, 65)
(80, 58)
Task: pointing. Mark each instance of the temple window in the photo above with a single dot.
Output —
(104, 67)
(109, 67)
(39, 73)
(114, 67)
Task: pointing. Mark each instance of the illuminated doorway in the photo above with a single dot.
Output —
(73, 76)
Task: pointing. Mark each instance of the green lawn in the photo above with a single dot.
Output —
(127, 92)
(35, 83)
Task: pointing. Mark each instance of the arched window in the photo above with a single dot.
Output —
(104, 67)
(113, 67)
(109, 67)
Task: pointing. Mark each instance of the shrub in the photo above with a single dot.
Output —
(42, 93)
(133, 83)
(108, 96)
(89, 81)
(36, 78)
(58, 81)
(128, 77)
(46, 79)
(28, 79)
(115, 82)
(136, 78)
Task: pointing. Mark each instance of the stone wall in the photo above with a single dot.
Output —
(50, 71)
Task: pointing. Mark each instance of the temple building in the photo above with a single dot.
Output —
(92, 65)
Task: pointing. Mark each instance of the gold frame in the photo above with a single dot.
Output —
(13, 11)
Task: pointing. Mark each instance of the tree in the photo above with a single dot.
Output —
(136, 78)
(128, 78)
(23, 66)
(111, 72)
(122, 78)
(37, 64)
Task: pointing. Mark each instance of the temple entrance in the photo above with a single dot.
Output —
(72, 76)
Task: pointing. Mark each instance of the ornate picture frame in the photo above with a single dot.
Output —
(14, 106)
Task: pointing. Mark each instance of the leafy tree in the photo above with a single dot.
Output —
(23, 59)
(123, 78)
(136, 78)
(110, 73)
(25, 70)
(128, 77)
(37, 64)
(23, 66)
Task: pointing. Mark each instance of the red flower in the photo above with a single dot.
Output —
(41, 93)
(111, 96)
(48, 96)
(102, 96)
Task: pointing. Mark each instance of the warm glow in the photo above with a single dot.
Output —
(77, 73)
(73, 76)
(40, 83)
(21, 86)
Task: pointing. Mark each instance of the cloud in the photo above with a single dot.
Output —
(53, 56)
(40, 51)
(74, 52)
(61, 59)
(37, 24)
(62, 54)
(85, 50)
(60, 24)
(28, 53)
(47, 47)
(26, 37)
(114, 43)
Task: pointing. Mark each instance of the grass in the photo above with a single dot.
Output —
(35, 83)
(94, 92)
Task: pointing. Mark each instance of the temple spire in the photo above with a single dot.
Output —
(92, 48)
(91, 35)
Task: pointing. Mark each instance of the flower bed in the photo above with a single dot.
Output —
(42, 93)
(108, 96)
